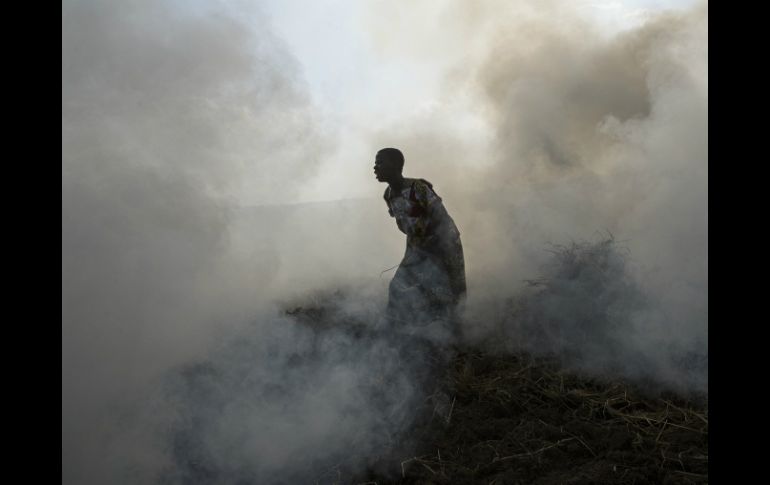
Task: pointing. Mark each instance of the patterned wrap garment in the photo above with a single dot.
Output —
(430, 281)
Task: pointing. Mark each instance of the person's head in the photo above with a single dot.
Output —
(388, 164)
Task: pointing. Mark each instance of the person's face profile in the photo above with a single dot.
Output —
(384, 168)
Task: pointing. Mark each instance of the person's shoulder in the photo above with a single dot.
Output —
(423, 182)
(424, 191)
(422, 186)
(419, 184)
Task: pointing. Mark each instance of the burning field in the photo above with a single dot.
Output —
(517, 418)
(224, 242)
(520, 419)
(355, 402)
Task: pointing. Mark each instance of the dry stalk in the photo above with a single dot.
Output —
(533, 453)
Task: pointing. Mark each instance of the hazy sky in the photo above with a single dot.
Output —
(360, 84)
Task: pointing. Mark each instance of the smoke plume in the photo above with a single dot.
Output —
(593, 137)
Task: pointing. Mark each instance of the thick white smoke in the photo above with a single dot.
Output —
(168, 115)
(593, 134)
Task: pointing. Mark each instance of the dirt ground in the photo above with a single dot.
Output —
(507, 418)
(515, 419)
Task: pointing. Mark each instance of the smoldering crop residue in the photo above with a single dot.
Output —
(589, 310)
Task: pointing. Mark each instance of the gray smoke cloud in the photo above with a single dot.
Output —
(593, 135)
(169, 115)
(285, 402)
(177, 362)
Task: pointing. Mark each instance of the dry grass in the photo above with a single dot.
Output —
(514, 418)
(517, 419)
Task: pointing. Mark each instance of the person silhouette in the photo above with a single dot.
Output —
(429, 283)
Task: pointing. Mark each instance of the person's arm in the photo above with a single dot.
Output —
(386, 196)
(430, 207)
